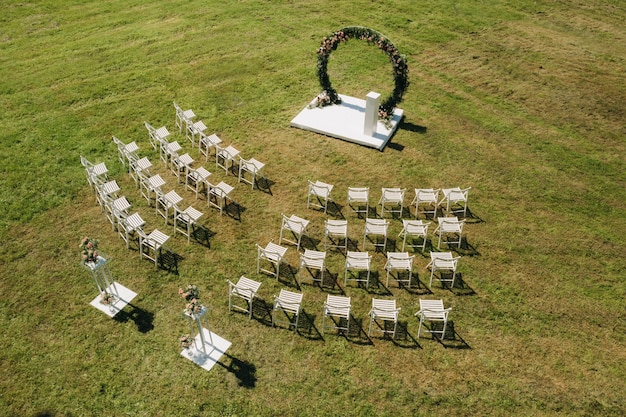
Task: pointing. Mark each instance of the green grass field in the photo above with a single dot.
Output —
(523, 101)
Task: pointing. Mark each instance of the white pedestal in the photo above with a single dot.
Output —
(214, 345)
(345, 121)
(372, 101)
(123, 297)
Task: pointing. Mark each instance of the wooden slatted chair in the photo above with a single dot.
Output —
(314, 262)
(356, 263)
(412, 232)
(273, 254)
(392, 201)
(296, 225)
(399, 262)
(383, 311)
(319, 195)
(244, 289)
(443, 262)
(433, 311)
(337, 307)
(289, 303)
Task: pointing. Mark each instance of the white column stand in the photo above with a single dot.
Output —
(372, 101)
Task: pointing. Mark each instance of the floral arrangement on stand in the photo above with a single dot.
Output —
(89, 249)
(186, 342)
(329, 95)
(191, 294)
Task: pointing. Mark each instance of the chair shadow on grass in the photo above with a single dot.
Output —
(264, 185)
(335, 209)
(460, 286)
(357, 334)
(244, 371)
(142, 318)
(451, 338)
(417, 286)
(329, 282)
(402, 337)
(203, 235)
(289, 276)
(234, 210)
(262, 312)
(168, 261)
(308, 242)
(465, 250)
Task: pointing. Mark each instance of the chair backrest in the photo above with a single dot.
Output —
(248, 284)
(393, 194)
(289, 300)
(431, 305)
(384, 306)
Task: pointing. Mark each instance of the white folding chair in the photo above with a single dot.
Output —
(314, 262)
(375, 231)
(245, 289)
(218, 195)
(185, 221)
(455, 200)
(251, 166)
(336, 234)
(207, 142)
(150, 246)
(197, 180)
(392, 201)
(297, 226)
(226, 157)
(426, 199)
(126, 152)
(443, 262)
(166, 203)
(128, 228)
(182, 117)
(194, 129)
(139, 169)
(412, 232)
(319, 195)
(150, 186)
(273, 254)
(451, 228)
(433, 311)
(96, 173)
(289, 303)
(382, 312)
(180, 165)
(337, 307)
(156, 135)
(358, 197)
(356, 263)
(399, 262)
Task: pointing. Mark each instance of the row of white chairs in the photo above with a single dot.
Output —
(226, 157)
(358, 265)
(414, 233)
(337, 310)
(116, 209)
(426, 200)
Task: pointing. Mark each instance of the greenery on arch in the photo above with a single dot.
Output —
(400, 69)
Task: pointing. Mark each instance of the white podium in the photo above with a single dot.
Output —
(207, 346)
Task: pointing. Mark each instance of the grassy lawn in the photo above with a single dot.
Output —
(522, 101)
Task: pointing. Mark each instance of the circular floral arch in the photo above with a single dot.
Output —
(400, 70)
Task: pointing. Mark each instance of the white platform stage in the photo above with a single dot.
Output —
(124, 297)
(215, 347)
(346, 121)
